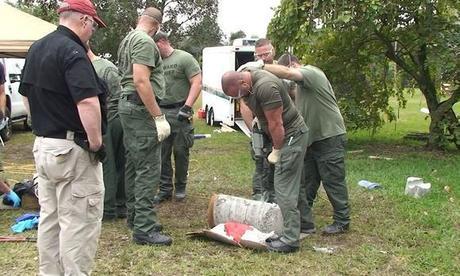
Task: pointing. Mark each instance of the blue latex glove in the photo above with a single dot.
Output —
(25, 225)
(369, 185)
(27, 216)
(12, 196)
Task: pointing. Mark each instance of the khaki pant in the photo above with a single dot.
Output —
(71, 193)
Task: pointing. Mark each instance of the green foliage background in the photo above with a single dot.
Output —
(192, 25)
(374, 50)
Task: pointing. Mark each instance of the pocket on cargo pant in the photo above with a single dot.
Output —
(57, 163)
(332, 170)
(88, 200)
(188, 135)
(145, 141)
(288, 162)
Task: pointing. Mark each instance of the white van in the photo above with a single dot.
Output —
(15, 109)
(218, 107)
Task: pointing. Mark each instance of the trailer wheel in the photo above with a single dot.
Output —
(208, 116)
(212, 122)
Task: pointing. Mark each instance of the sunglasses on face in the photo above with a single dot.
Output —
(263, 55)
(94, 24)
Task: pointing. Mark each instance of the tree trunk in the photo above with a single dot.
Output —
(444, 129)
(454, 127)
(436, 118)
(444, 125)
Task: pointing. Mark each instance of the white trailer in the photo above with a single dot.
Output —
(218, 107)
(15, 108)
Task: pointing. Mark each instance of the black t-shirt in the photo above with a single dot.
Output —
(2, 74)
(57, 75)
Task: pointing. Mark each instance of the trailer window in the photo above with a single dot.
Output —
(14, 78)
(243, 57)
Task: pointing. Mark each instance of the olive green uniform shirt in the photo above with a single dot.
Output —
(107, 71)
(269, 92)
(179, 68)
(139, 48)
(316, 102)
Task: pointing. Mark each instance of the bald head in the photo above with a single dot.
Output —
(230, 83)
(236, 84)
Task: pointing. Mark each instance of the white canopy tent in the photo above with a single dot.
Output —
(19, 30)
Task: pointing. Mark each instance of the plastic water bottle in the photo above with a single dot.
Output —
(368, 185)
(416, 187)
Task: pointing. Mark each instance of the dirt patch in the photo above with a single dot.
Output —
(19, 148)
(395, 150)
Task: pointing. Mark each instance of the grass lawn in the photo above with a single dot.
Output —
(391, 234)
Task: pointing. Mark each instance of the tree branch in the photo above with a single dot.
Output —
(391, 54)
(444, 106)
(407, 51)
(167, 3)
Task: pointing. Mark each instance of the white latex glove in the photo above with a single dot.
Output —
(274, 156)
(259, 64)
(255, 122)
(163, 127)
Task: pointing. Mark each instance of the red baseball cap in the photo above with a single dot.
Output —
(83, 6)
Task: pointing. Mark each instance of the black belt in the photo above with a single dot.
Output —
(174, 105)
(69, 135)
(135, 99)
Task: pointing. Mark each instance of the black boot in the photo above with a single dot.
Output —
(152, 238)
(161, 196)
(280, 247)
(336, 228)
(308, 228)
(180, 193)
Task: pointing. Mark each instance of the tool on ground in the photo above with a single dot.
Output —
(17, 239)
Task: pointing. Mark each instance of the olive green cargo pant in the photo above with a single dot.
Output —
(114, 170)
(262, 179)
(288, 173)
(325, 163)
(178, 143)
(143, 165)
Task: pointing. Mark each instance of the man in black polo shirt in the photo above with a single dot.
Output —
(64, 95)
